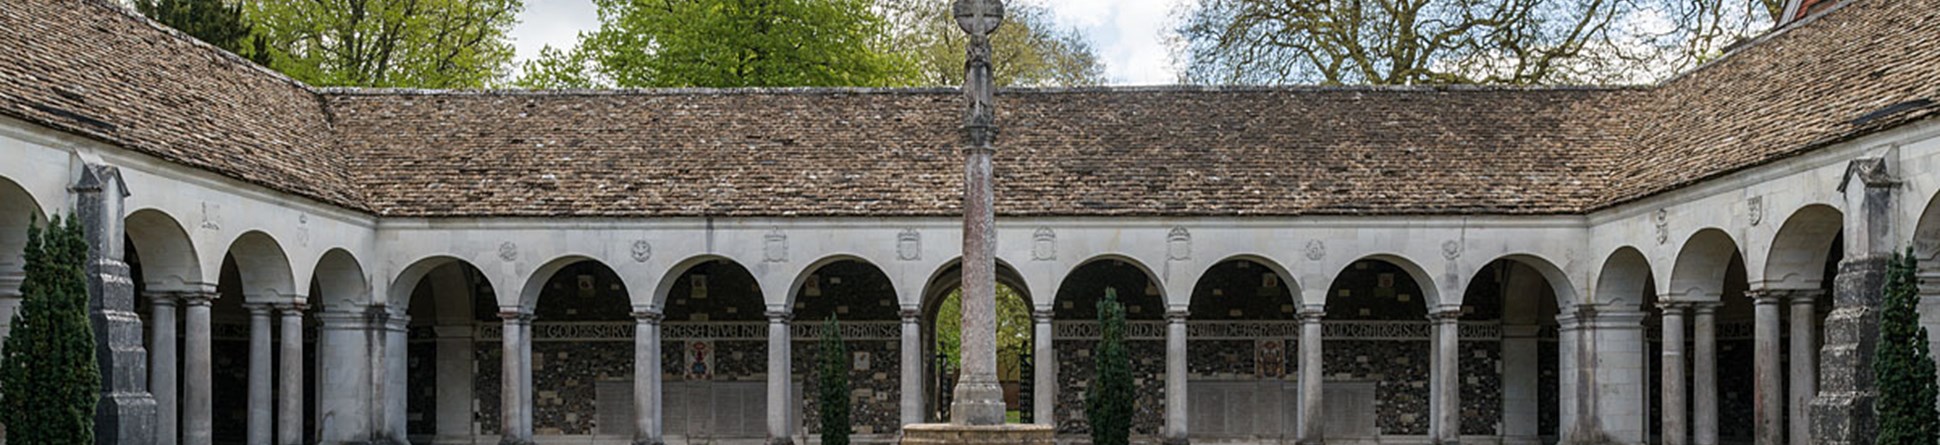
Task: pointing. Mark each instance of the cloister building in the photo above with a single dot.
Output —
(1691, 261)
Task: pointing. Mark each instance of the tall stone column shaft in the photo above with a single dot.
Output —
(978, 398)
(1704, 378)
(125, 411)
(455, 379)
(911, 390)
(1311, 428)
(163, 381)
(1521, 376)
(345, 392)
(1768, 394)
(1613, 376)
(647, 418)
(1805, 361)
(1569, 375)
(781, 413)
(515, 406)
(1675, 427)
(259, 428)
(289, 400)
(198, 406)
(1045, 389)
(1176, 405)
(1445, 390)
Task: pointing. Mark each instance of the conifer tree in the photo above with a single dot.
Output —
(834, 385)
(1902, 364)
(48, 376)
(1108, 402)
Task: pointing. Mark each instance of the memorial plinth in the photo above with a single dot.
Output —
(954, 434)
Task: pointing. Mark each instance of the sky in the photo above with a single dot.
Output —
(1128, 34)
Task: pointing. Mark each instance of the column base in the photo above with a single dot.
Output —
(1175, 441)
(978, 403)
(649, 442)
(953, 434)
(514, 441)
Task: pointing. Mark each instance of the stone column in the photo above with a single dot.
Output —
(1805, 369)
(1521, 376)
(162, 379)
(912, 360)
(1612, 372)
(395, 327)
(515, 407)
(1175, 377)
(1704, 374)
(1842, 412)
(1675, 427)
(1568, 375)
(260, 393)
(781, 416)
(289, 403)
(345, 391)
(125, 411)
(455, 379)
(1045, 389)
(646, 378)
(198, 407)
(1768, 403)
(1311, 426)
(1445, 386)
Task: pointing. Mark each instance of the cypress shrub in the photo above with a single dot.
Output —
(49, 380)
(1902, 365)
(1108, 402)
(834, 385)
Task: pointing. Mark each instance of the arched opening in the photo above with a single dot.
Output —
(1075, 315)
(1926, 246)
(1606, 359)
(714, 349)
(1241, 343)
(582, 353)
(861, 297)
(1511, 374)
(1378, 349)
(1710, 274)
(942, 337)
(18, 210)
(255, 278)
(1800, 268)
(161, 261)
(452, 352)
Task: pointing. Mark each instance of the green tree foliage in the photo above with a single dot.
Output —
(1108, 401)
(1029, 50)
(1902, 364)
(726, 44)
(1013, 330)
(214, 21)
(834, 385)
(388, 43)
(1459, 41)
(49, 380)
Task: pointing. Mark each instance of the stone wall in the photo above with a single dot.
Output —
(874, 389)
(1075, 372)
(1400, 370)
(1481, 377)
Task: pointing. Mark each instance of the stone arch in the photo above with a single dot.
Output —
(18, 210)
(671, 279)
(1558, 280)
(168, 258)
(535, 283)
(339, 280)
(1430, 291)
(1624, 280)
(1281, 286)
(949, 275)
(407, 279)
(1926, 239)
(1801, 247)
(1155, 288)
(263, 267)
(801, 276)
(1701, 266)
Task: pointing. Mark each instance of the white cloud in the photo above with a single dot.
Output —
(1128, 34)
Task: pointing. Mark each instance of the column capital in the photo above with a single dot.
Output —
(1445, 315)
(1043, 315)
(1706, 308)
(778, 316)
(910, 314)
(1673, 307)
(197, 298)
(1176, 315)
(1807, 296)
(515, 315)
(162, 298)
(1312, 313)
(290, 308)
(263, 309)
(648, 316)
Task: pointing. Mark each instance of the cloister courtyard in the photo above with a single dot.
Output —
(1693, 261)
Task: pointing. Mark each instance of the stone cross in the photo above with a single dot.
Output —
(979, 398)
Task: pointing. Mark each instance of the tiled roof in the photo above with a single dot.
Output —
(95, 69)
(90, 68)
